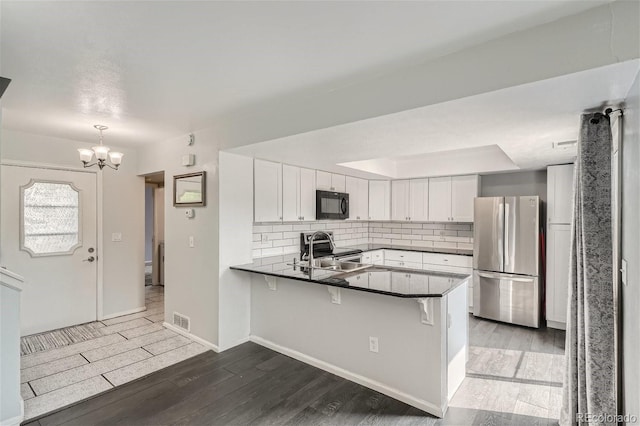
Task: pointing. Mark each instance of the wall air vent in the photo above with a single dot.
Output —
(182, 321)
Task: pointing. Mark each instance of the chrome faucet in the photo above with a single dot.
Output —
(311, 238)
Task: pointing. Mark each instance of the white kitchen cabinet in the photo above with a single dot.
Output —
(307, 194)
(456, 264)
(440, 199)
(400, 200)
(379, 200)
(560, 193)
(360, 280)
(409, 200)
(298, 194)
(330, 181)
(267, 191)
(451, 198)
(558, 248)
(419, 200)
(358, 190)
(464, 189)
(403, 259)
(375, 257)
(380, 280)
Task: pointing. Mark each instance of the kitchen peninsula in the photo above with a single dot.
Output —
(400, 331)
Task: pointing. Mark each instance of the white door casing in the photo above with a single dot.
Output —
(61, 286)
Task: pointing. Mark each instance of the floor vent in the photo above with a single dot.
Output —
(181, 321)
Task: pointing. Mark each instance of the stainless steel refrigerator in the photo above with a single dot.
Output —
(507, 285)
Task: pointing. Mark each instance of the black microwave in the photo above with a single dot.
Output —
(332, 205)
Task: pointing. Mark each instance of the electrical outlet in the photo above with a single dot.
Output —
(192, 242)
(623, 270)
(265, 238)
(116, 236)
(441, 233)
(373, 344)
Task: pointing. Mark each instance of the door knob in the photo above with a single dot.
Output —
(89, 259)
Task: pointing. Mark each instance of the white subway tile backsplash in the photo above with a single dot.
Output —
(272, 251)
(284, 239)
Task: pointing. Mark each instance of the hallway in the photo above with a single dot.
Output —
(68, 365)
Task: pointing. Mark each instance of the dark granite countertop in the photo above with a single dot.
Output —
(391, 281)
(371, 247)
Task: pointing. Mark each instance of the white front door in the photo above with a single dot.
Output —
(48, 227)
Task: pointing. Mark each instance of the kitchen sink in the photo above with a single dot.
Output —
(336, 265)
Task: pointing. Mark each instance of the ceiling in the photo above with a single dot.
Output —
(155, 70)
(508, 129)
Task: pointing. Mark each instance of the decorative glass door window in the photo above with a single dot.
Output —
(49, 218)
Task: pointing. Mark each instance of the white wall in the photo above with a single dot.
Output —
(191, 274)
(123, 211)
(301, 317)
(236, 220)
(631, 250)
(10, 399)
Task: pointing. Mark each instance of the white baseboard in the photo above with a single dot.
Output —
(119, 314)
(236, 343)
(556, 325)
(14, 421)
(193, 337)
(357, 378)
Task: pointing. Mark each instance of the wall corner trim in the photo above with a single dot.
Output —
(193, 337)
(356, 378)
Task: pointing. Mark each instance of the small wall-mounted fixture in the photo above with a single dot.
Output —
(565, 144)
(190, 213)
(188, 160)
(191, 140)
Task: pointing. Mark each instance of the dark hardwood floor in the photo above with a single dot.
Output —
(250, 384)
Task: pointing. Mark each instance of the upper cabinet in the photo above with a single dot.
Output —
(379, 200)
(419, 200)
(358, 190)
(267, 191)
(330, 181)
(298, 193)
(400, 200)
(409, 200)
(451, 198)
(463, 191)
(560, 193)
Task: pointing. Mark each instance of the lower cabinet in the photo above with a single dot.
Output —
(375, 257)
(456, 264)
(557, 284)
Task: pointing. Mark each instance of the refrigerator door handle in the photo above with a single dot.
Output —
(507, 253)
(500, 242)
(505, 277)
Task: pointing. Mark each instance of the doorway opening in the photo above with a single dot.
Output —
(154, 229)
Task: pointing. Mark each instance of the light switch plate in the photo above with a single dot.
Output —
(623, 270)
(192, 242)
(116, 236)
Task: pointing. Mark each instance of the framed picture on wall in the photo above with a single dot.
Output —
(189, 190)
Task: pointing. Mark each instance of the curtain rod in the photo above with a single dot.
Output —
(607, 112)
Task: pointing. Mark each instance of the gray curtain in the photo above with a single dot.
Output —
(589, 380)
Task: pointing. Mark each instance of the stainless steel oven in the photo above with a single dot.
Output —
(332, 205)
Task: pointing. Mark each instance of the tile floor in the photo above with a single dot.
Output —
(513, 373)
(126, 348)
